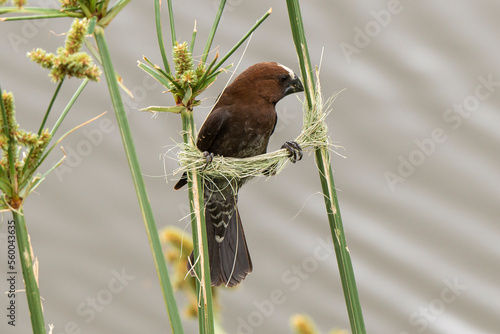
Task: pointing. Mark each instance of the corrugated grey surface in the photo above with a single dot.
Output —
(422, 85)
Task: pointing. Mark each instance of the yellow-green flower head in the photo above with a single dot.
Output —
(69, 61)
(182, 58)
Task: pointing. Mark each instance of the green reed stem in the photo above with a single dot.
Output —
(138, 180)
(26, 256)
(322, 156)
(159, 34)
(32, 291)
(42, 125)
(200, 243)
(244, 38)
(211, 35)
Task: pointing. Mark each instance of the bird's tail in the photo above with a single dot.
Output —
(229, 259)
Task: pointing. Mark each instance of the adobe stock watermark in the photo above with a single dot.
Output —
(421, 318)
(85, 147)
(372, 29)
(453, 118)
(95, 137)
(88, 309)
(30, 28)
(284, 119)
(292, 279)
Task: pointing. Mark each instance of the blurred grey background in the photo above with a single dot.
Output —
(418, 187)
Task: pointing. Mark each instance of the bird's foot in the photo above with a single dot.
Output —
(294, 149)
(209, 157)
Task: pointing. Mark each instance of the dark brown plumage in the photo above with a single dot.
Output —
(239, 126)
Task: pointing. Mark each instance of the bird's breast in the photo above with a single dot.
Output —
(247, 133)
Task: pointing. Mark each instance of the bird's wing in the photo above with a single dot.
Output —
(210, 129)
(208, 132)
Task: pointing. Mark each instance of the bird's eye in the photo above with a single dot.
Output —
(283, 78)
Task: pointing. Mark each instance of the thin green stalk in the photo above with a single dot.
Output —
(244, 38)
(84, 8)
(29, 10)
(200, 247)
(170, 78)
(138, 180)
(193, 38)
(208, 72)
(159, 34)
(299, 38)
(172, 24)
(195, 190)
(111, 14)
(37, 182)
(68, 106)
(32, 291)
(92, 5)
(27, 176)
(103, 5)
(211, 35)
(39, 17)
(342, 253)
(58, 88)
(42, 125)
(326, 177)
(42, 13)
(154, 74)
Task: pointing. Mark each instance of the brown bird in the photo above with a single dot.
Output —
(239, 126)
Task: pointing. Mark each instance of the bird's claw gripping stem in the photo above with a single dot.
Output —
(294, 149)
(209, 157)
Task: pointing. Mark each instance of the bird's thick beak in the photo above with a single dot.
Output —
(295, 86)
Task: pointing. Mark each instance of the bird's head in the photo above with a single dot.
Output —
(269, 81)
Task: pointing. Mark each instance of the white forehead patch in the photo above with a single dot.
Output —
(288, 70)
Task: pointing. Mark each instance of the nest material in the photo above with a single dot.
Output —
(314, 135)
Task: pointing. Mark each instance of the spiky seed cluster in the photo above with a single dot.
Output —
(76, 36)
(27, 138)
(303, 324)
(8, 102)
(189, 77)
(69, 61)
(177, 251)
(19, 3)
(182, 58)
(38, 149)
(69, 3)
(186, 75)
(34, 142)
(41, 57)
(178, 247)
(200, 70)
